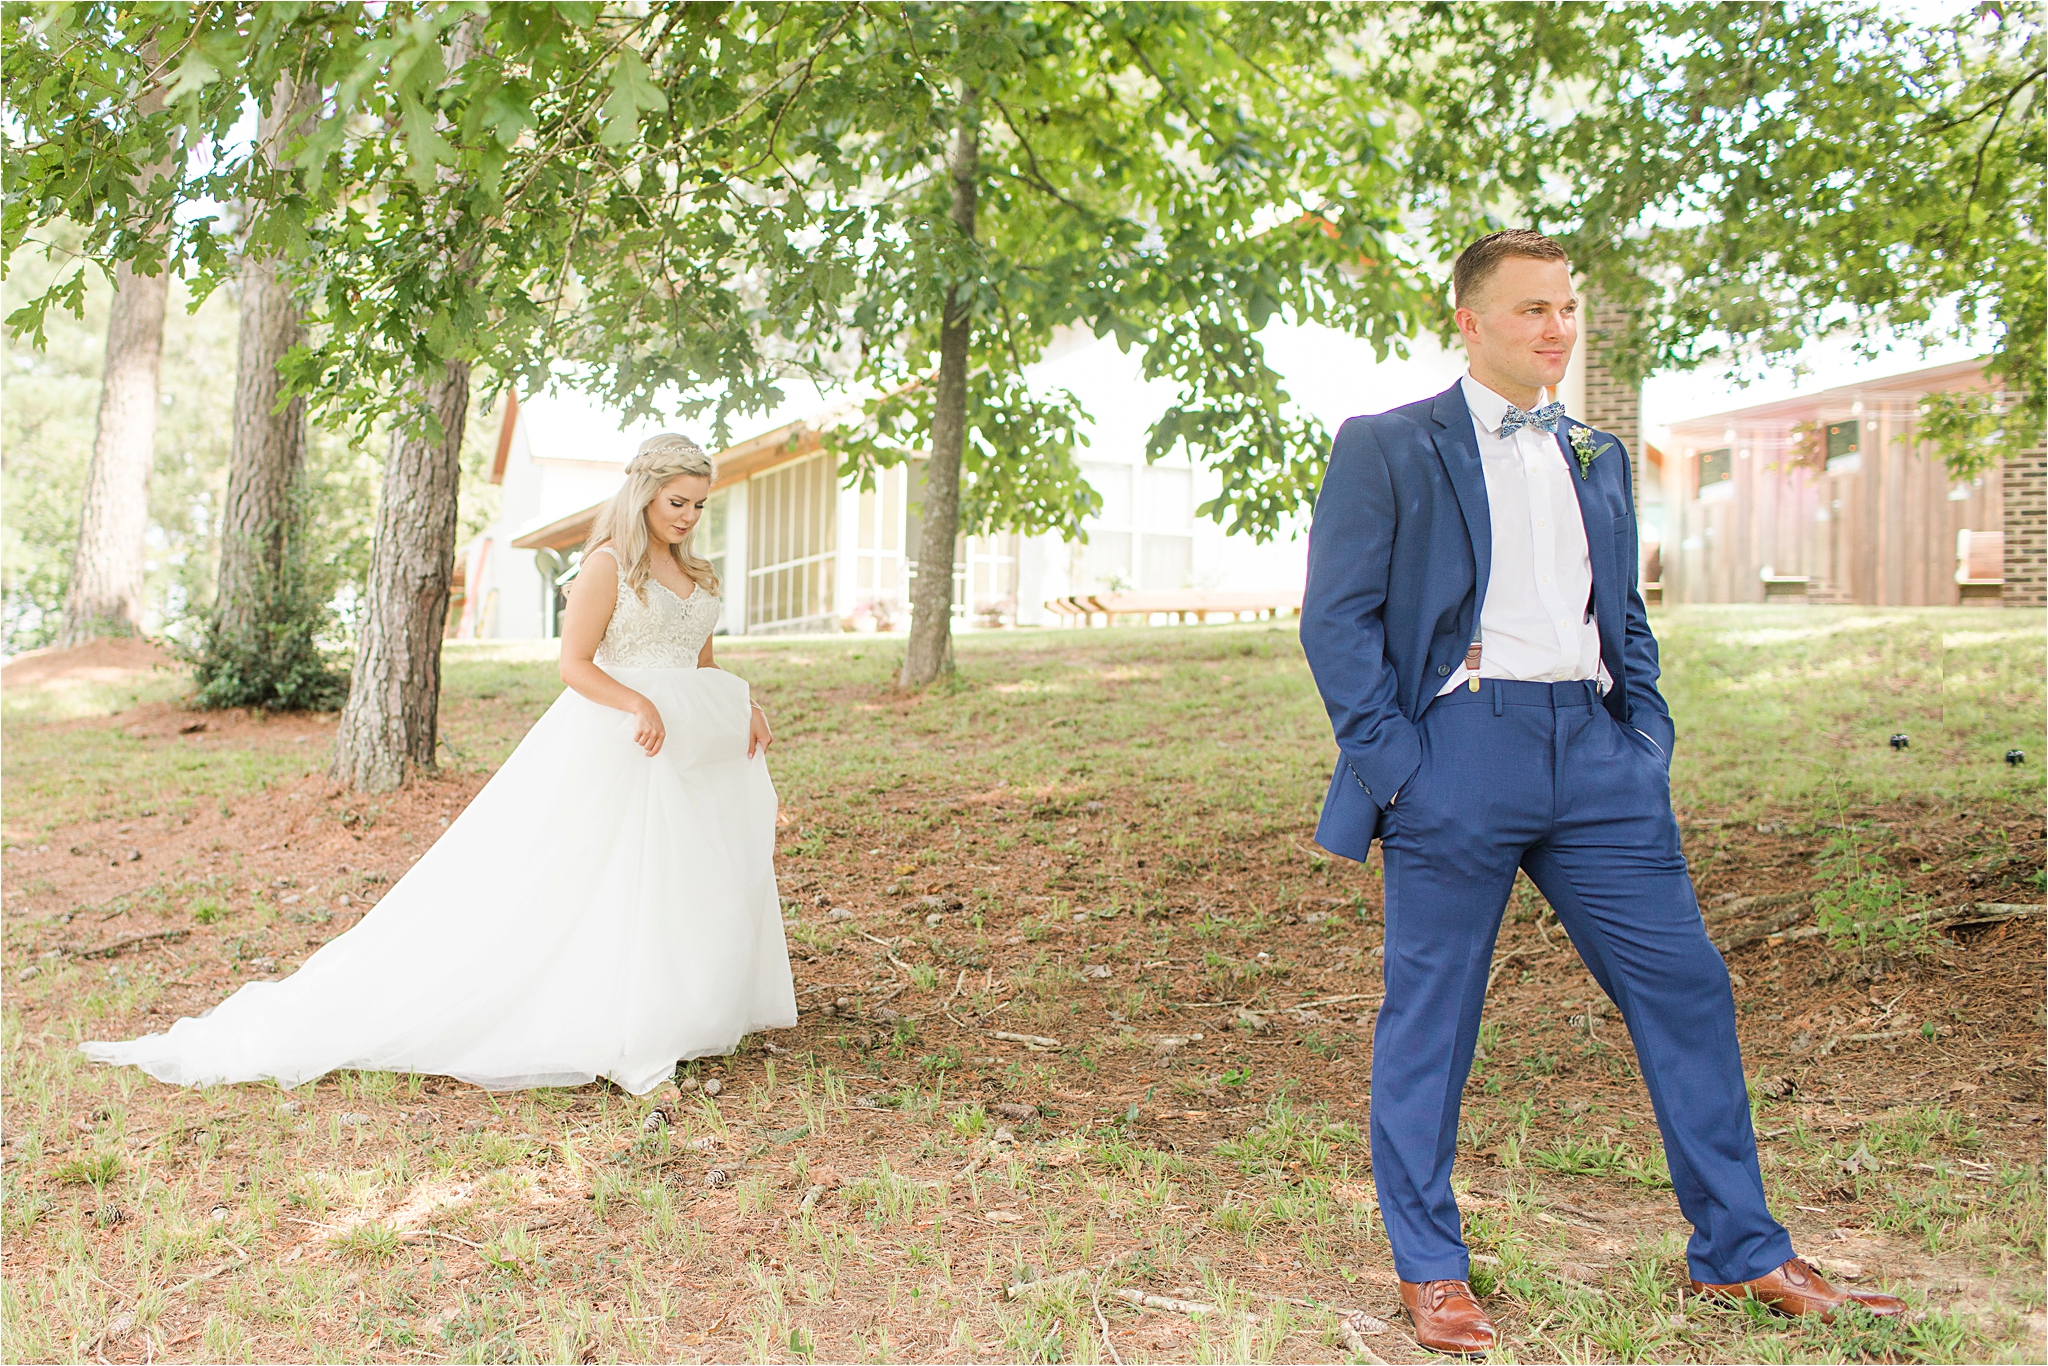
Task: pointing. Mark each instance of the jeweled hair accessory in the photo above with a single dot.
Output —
(666, 448)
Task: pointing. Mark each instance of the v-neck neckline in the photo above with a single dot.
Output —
(672, 592)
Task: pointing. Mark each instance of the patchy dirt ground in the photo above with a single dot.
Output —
(1179, 1105)
(99, 661)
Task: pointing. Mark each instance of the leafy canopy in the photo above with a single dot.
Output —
(678, 205)
(1747, 178)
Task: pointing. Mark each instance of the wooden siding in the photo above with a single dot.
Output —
(1878, 527)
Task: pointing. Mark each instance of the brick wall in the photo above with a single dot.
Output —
(1611, 405)
(2025, 488)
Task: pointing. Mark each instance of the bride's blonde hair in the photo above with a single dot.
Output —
(623, 522)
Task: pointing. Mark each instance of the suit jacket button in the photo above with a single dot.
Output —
(1443, 670)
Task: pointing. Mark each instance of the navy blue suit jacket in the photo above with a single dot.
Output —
(1398, 561)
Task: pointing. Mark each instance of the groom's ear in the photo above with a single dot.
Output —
(1467, 322)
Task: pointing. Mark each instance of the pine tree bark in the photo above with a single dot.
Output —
(930, 648)
(389, 727)
(268, 449)
(105, 594)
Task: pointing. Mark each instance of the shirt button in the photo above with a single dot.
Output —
(1546, 578)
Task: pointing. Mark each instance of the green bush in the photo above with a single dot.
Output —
(278, 663)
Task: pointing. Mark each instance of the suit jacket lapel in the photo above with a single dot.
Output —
(1458, 447)
(1595, 514)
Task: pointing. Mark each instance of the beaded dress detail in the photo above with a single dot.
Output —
(595, 912)
(655, 629)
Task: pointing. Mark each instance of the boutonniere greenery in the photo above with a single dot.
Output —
(1588, 447)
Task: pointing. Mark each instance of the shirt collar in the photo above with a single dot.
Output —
(1487, 406)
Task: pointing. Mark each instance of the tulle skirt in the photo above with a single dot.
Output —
(593, 913)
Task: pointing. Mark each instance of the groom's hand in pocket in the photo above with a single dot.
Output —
(648, 732)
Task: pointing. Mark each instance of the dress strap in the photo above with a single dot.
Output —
(606, 550)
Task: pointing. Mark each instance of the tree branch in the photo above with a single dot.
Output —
(1986, 107)
(1037, 176)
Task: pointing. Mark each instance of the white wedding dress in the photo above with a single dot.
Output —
(593, 913)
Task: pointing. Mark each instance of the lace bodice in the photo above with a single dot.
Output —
(664, 632)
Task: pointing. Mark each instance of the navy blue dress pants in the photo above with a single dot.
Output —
(1540, 776)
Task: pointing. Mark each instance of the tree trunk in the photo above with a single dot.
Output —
(930, 651)
(389, 726)
(269, 444)
(105, 597)
(105, 594)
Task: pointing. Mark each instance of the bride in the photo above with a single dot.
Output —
(605, 906)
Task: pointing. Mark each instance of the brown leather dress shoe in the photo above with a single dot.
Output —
(1796, 1288)
(1447, 1318)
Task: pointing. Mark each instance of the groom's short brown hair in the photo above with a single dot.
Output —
(1477, 263)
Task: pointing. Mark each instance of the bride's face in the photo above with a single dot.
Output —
(675, 509)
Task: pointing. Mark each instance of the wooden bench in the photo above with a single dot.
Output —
(1980, 566)
(1201, 604)
(1785, 587)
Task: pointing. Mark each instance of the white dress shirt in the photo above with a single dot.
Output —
(1537, 622)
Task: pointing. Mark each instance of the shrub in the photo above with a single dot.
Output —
(278, 662)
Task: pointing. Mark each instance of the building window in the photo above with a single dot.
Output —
(790, 546)
(1844, 442)
(1844, 438)
(879, 589)
(1166, 514)
(1143, 537)
(557, 571)
(710, 540)
(1716, 467)
(985, 579)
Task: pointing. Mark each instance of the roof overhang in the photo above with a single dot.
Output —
(742, 460)
(1910, 384)
(560, 534)
(747, 458)
(508, 422)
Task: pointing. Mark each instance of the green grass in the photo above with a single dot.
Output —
(62, 775)
(1205, 748)
(1775, 704)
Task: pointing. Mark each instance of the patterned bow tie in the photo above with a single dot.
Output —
(1545, 417)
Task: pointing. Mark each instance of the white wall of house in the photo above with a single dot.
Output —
(567, 454)
(1147, 535)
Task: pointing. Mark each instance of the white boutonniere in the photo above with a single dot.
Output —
(1588, 447)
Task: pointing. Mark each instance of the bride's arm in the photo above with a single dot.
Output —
(592, 597)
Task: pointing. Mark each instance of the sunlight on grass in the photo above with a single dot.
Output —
(1112, 829)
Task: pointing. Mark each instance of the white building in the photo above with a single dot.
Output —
(797, 551)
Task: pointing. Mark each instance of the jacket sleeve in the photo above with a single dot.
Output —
(1343, 626)
(1647, 711)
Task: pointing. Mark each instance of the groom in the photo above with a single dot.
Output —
(1473, 624)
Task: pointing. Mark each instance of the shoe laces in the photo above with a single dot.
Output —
(1439, 1293)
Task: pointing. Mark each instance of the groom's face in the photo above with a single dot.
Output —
(1523, 323)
